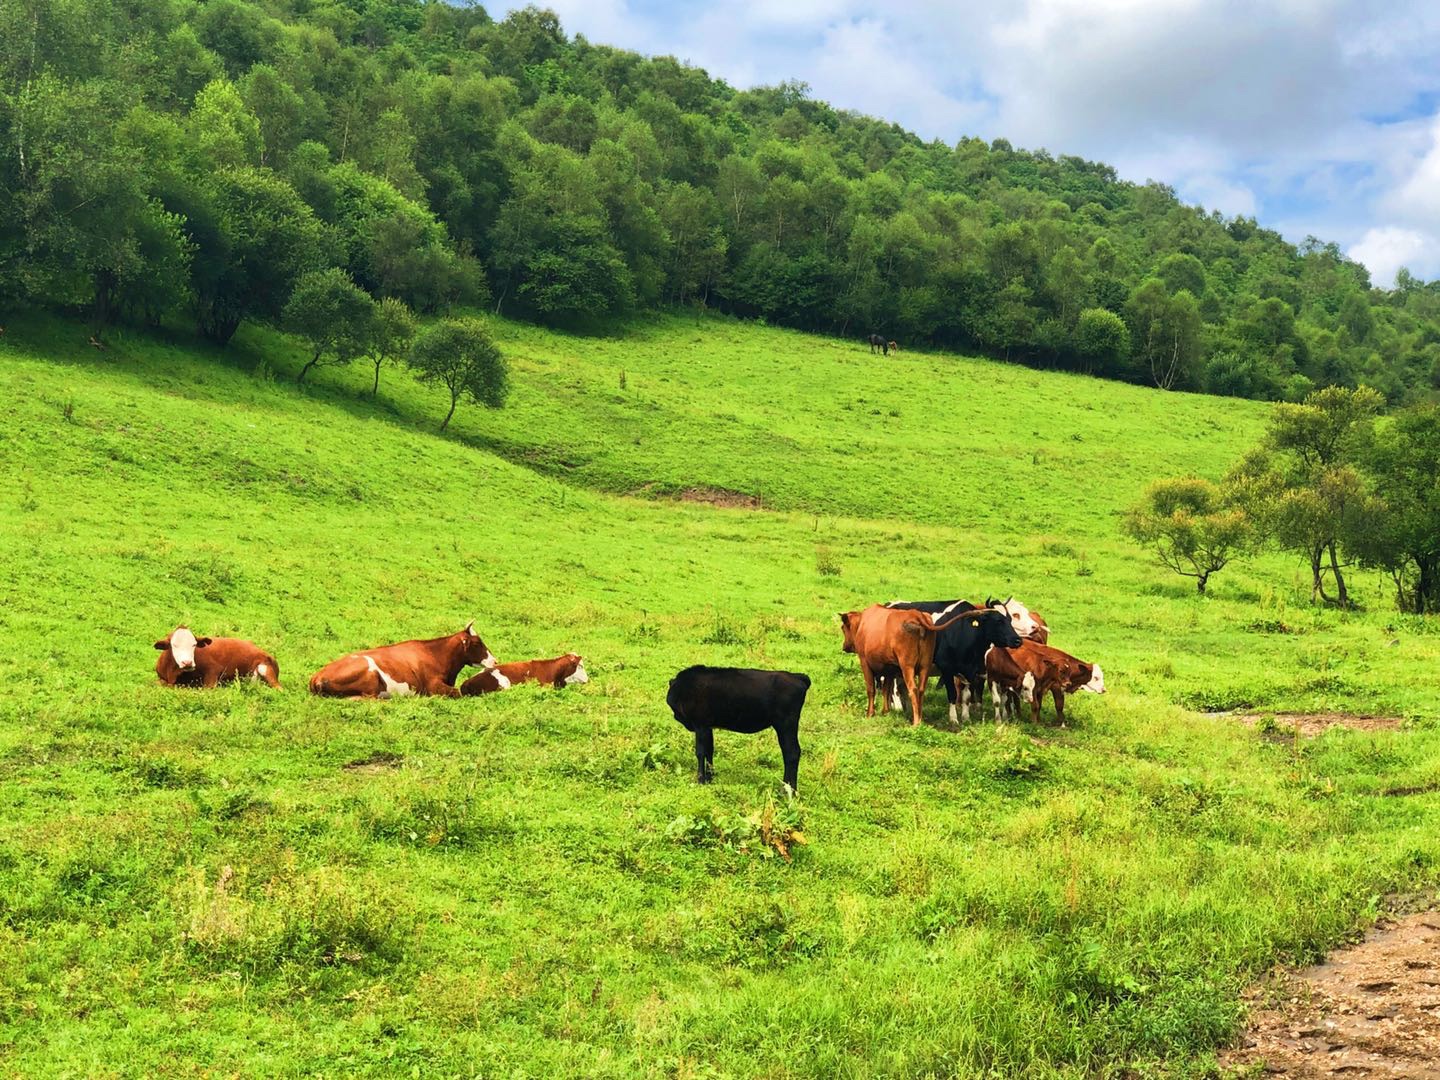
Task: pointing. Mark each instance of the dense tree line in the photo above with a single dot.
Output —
(174, 158)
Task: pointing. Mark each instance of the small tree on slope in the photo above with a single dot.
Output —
(394, 331)
(1186, 522)
(333, 314)
(459, 354)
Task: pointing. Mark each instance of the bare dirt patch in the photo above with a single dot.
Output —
(1371, 1010)
(717, 496)
(1312, 724)
(379, 761)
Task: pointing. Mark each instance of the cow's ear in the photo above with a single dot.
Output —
(200, 643)
(163, 645)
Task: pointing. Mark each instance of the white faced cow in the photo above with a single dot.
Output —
(186, 660)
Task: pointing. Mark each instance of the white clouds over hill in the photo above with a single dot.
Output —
(1316, 116)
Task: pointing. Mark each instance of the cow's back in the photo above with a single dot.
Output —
(746, 700)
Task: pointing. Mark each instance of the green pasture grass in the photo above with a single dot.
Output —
(531, 884)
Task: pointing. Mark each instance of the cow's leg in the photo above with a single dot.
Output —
(211, 678)
(438, 687)
(1059, 696)
(891, 690)
(789, 734)
(1037, 694)
(869, 677)
(915, 683)
(952, 694)
(704, 754)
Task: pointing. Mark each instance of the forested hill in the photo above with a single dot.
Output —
(175, 160)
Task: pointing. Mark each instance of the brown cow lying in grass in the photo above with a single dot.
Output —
(564, 670)
(186, 660)
(411, 667)
(1032, 671)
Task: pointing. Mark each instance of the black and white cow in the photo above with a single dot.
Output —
(747, 700)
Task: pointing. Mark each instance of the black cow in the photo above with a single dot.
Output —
(960, 648)
(739, 699)
(878, 342)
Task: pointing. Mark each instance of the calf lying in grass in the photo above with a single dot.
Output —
(186, 660)
(562, 671)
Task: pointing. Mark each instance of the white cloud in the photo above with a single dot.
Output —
(1385, 249)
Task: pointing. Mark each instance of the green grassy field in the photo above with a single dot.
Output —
(194, 883)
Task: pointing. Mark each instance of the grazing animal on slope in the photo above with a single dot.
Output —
(411, 667)
(567, 670)
(746, 700)
(878, 342)
(186, 660)
(892, 347)
(1032, 671)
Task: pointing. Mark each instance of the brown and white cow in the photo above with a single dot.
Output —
(567, 670)
(186, 660)
(1032, 671)
(884, 638)
(411, 667)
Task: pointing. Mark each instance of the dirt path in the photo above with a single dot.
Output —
(1371, 1010)
(1312, 724)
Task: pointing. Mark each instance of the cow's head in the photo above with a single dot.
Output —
(1019, 614)
(1096, 682)
(473, 649)
(182, 645)
(996, 627)
(572, 671)
(849, 620)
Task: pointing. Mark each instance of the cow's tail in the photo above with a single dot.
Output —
(934, 626)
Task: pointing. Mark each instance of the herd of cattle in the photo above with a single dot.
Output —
(1001, 644)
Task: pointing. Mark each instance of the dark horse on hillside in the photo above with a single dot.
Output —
(878, 342)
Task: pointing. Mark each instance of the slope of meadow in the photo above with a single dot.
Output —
(533, 885)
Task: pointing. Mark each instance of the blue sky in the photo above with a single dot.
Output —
(1319, 117)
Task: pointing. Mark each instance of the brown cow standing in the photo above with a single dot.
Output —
(882, 637)
(411, 667)
(1032, 671)
(567, 670)
(186, 660)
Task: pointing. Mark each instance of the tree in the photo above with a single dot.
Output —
(394, 330)
(1190, 527)
(256, 237)
(1102, 340)
(1300, 486)
(1403, 539)
(460, 354)
(334, 315)
(1164, 331)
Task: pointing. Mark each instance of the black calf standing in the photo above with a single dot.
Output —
(746, 700)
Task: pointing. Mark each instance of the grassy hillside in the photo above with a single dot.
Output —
(536, 887)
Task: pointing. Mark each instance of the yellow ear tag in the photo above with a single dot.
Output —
(974, 622)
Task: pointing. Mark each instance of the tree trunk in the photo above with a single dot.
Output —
(1341, 595)
(453, 399)
(1200, 583)
(306, 369)
(375, 390)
